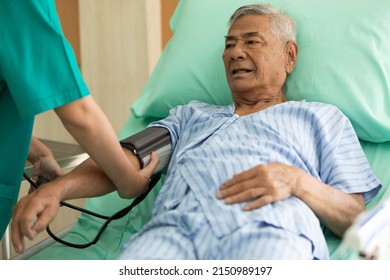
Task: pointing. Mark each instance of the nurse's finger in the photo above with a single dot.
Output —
(148, 170)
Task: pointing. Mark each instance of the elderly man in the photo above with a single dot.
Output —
(257, 179)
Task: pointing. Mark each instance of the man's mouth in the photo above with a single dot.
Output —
(241, 71)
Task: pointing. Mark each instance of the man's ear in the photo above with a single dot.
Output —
(291, 51)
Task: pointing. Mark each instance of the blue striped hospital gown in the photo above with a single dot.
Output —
(211, 144)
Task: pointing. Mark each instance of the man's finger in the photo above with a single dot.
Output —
(238, 188)
(17, 238)
(17, 241)
(240, 177)
(45, 218)
(247, 195)
(260, 202)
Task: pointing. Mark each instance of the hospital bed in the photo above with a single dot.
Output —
(343, 60)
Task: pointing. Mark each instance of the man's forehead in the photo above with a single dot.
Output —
(248, 26)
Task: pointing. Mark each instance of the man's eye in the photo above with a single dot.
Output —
(229, 46)
(251, 42)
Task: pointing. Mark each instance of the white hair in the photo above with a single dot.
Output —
(282, 24)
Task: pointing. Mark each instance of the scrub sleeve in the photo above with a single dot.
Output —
(38, 72)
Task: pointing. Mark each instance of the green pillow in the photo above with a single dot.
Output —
(344, 59)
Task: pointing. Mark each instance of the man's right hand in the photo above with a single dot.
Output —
(31, 215)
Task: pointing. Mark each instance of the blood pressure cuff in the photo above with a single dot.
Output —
(143, 143)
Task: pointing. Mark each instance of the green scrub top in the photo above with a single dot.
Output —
(38, 72)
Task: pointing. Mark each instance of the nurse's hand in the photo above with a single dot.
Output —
(31, 215)
(46, 167)
(43, 161)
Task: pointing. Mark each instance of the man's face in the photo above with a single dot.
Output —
(254, 58)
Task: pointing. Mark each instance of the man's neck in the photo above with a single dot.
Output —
(243, 108)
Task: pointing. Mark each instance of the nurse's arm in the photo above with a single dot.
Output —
(87, 123)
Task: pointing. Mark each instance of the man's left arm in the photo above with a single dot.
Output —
(336, 209)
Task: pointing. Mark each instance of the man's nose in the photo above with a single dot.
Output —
(238, 52)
